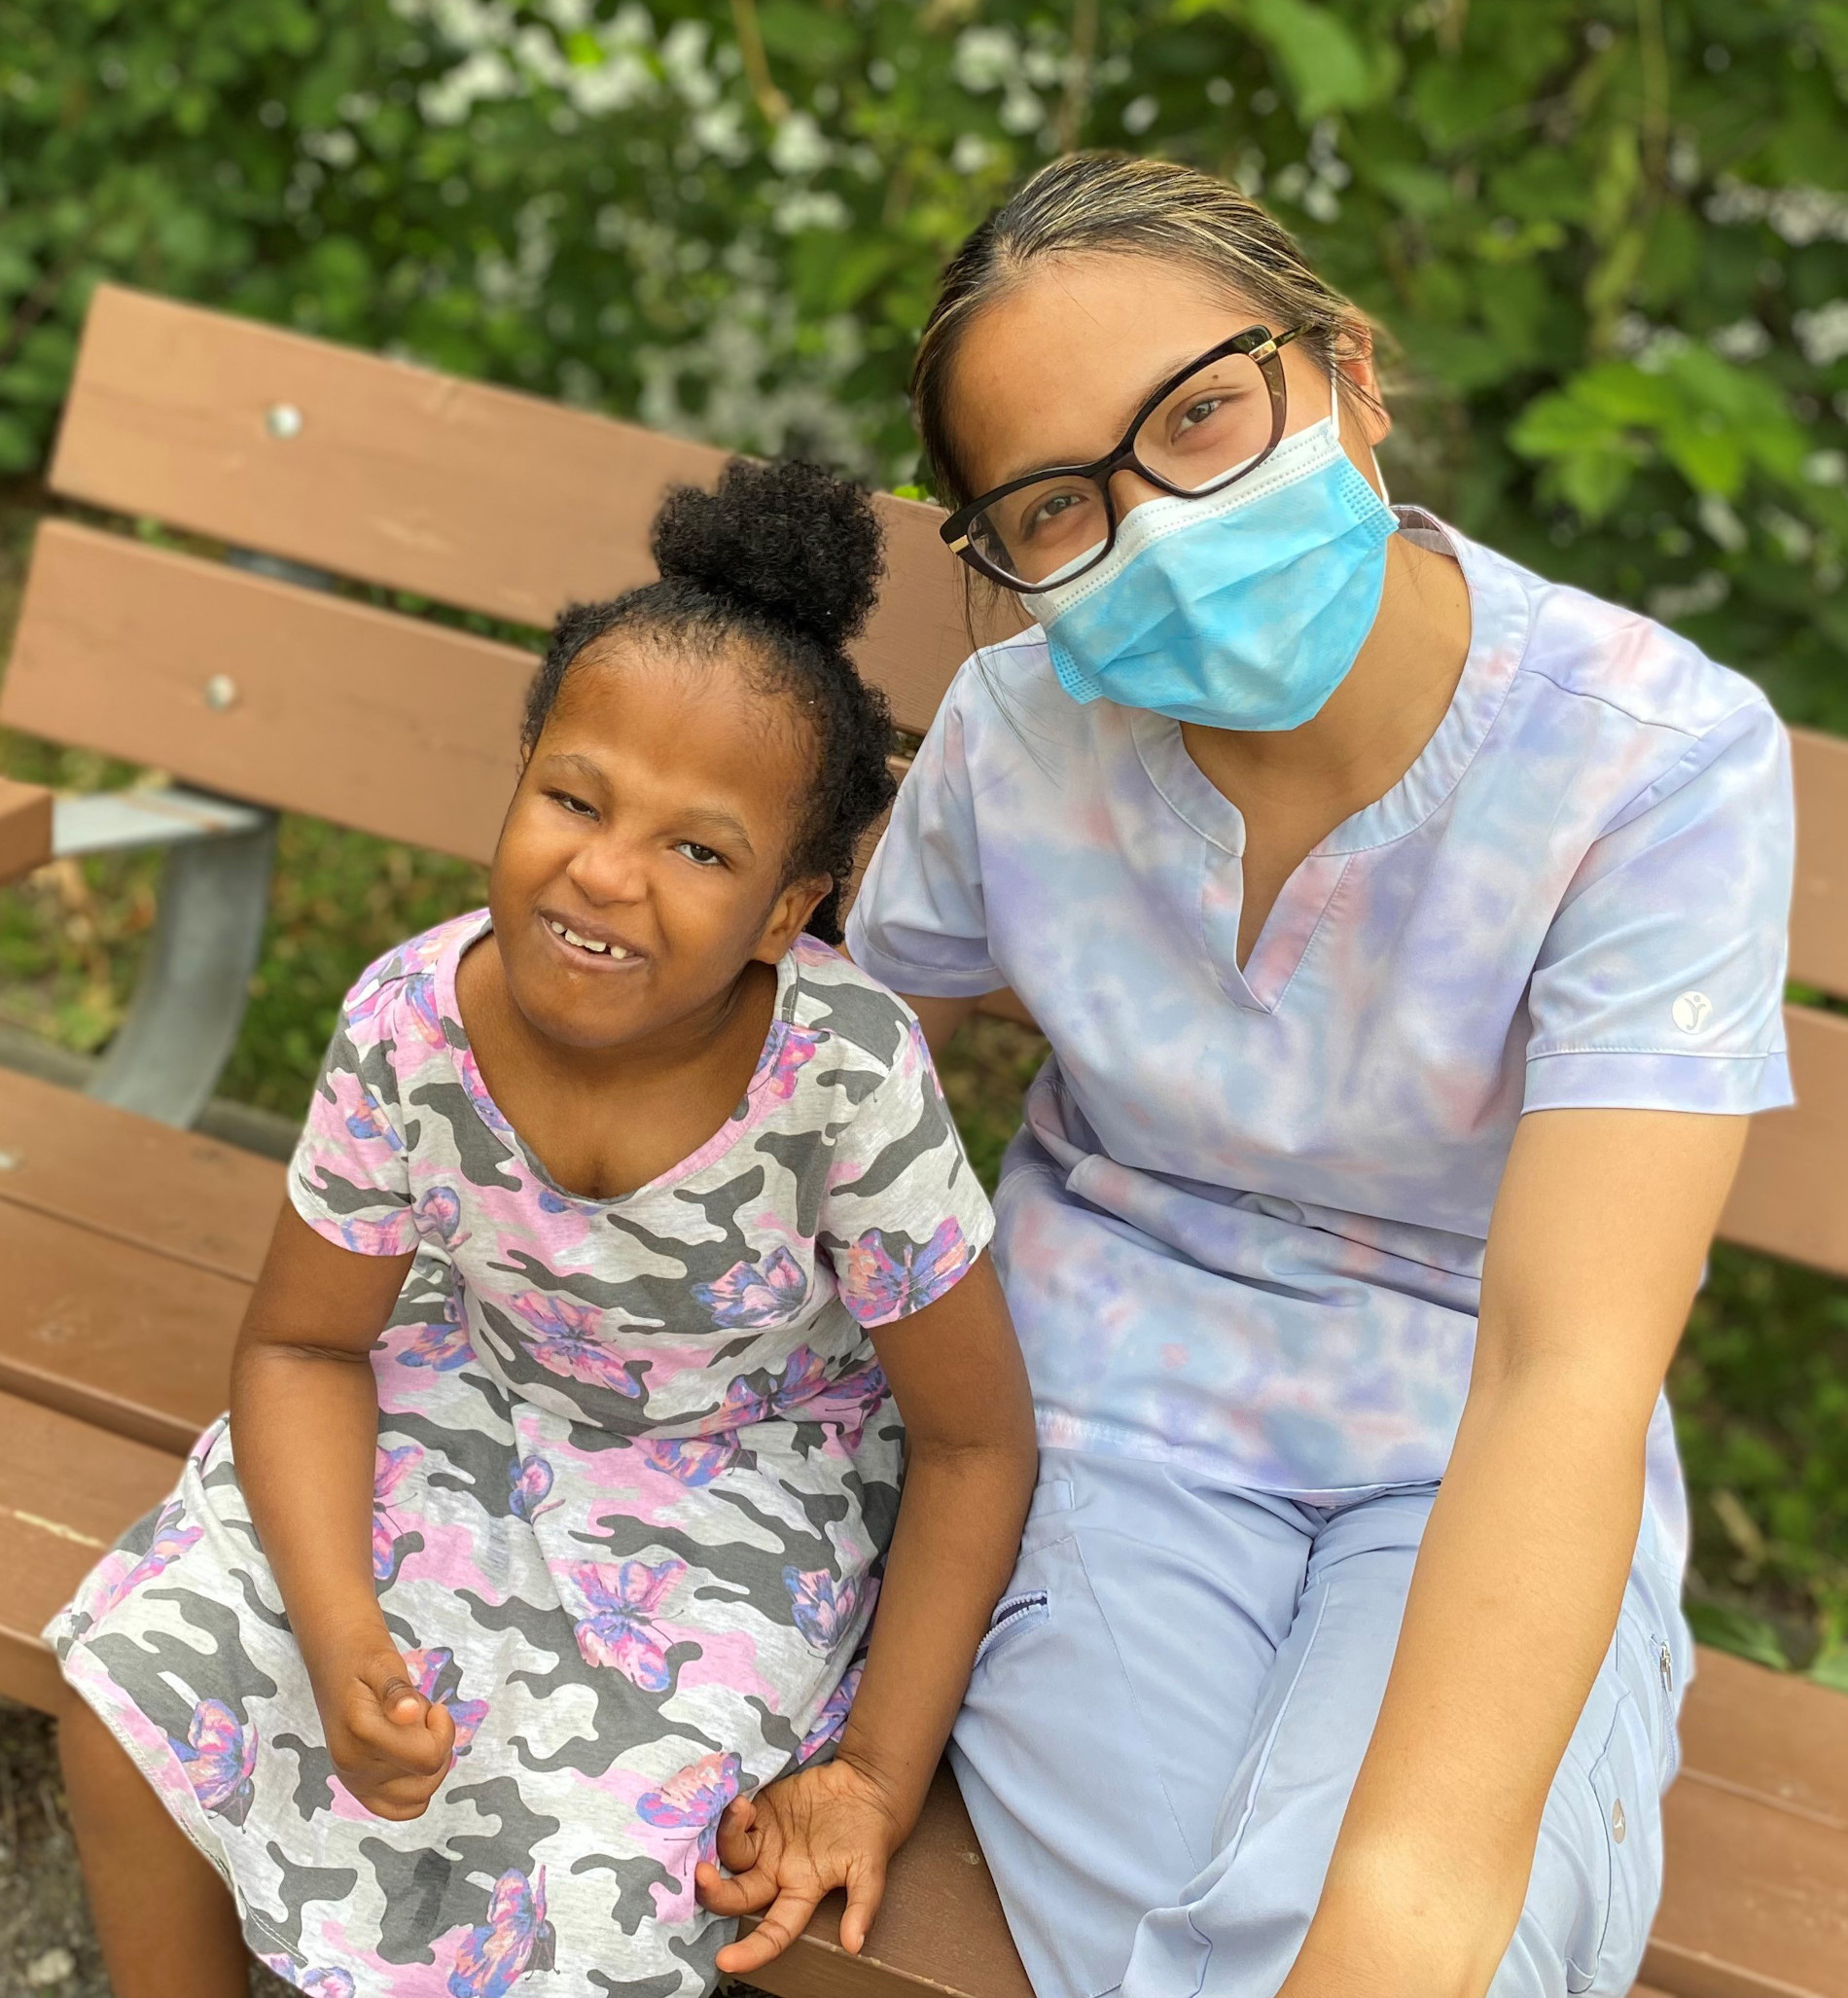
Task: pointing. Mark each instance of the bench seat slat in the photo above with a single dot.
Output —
(66, 1492)
(172, 1192)
(473, 496)
(103, 1329)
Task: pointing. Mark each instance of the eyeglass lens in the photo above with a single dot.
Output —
(1201, 434)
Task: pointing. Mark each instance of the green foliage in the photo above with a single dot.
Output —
(1761, 1395)
(1611, 236)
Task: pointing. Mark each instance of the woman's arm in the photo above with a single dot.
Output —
(940, 1018)
(305, 1429)
(970, 1460)
(1595, 1250)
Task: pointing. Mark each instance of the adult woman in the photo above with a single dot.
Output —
(1409, 933)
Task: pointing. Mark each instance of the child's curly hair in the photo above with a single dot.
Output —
(788, 558)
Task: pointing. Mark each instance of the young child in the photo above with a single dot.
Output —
(561, 1468)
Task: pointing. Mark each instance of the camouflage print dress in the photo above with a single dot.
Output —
(636, 1468)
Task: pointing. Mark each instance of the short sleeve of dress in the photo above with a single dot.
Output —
(904, 1217)
(1660, 984)
(919, 923)
(349, 1179)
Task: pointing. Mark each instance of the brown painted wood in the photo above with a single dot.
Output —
(471, 495)
(1790, 1198)
(1755, 1901)
(1819, 909)
(25, 828)
(137, 1342)
(173, 1191)
(389, 724)
(1769, 1735)
(940, 1930)
(66, 1492)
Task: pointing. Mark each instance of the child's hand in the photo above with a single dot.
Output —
(823, 1828)
(390, 1745)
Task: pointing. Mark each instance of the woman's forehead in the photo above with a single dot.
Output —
(1053, 368)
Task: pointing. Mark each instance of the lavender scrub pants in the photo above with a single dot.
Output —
(1169, 1711)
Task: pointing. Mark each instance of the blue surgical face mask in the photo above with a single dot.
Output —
(1241, 611)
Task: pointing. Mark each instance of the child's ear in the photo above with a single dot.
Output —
(791, 910)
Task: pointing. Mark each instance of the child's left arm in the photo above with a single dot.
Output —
(970, 1461)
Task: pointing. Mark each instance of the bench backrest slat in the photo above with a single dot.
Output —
(1819, 909)
(394, 724)
(390, 473)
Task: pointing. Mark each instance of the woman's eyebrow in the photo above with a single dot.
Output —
(1158, 379)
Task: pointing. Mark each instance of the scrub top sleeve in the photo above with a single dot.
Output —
(919, 923)
(349, 1179)
(904, 1217)
(1660, 984)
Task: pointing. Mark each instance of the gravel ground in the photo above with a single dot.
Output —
(46, 1947)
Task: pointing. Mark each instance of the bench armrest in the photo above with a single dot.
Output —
(25, 828)
(166, 816)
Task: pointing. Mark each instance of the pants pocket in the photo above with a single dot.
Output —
(1013, 1614)
(1625, 1857)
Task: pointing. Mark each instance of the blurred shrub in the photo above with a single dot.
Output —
(1610, 236)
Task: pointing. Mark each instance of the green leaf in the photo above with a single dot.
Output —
(1727, 1627)
(1323, 62)
(1829, 1666)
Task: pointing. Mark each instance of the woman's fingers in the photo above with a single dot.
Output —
(865, 1889)
(787, 1919)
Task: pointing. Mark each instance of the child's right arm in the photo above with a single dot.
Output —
(304, 1428)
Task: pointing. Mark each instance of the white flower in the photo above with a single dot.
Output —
(799, 147)
(1745, 340)
(985, 59)
(971, 152)
(1722, 524)
(1823, 334)
(1706, 592)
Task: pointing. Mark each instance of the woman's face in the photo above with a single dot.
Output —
(1055, 371)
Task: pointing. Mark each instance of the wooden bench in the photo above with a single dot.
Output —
(258, 683)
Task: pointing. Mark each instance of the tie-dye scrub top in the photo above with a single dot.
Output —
(636, 1468)
(1244, 1225)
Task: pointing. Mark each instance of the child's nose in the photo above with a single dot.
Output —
(609, 869)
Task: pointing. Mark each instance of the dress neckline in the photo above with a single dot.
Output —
(752, 1105)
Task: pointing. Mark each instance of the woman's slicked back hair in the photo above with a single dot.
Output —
(1113, 203)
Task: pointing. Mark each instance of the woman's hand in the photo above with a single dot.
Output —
(390, 1746)
(826, 1827)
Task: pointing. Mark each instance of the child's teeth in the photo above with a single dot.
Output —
(584, 942)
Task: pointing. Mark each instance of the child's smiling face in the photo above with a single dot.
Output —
(643, 861)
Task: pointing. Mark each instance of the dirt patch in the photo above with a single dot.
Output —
(47, 1946)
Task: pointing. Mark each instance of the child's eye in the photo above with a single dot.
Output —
(700, 856)
(575, 806)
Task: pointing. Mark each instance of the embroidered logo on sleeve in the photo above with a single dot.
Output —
(1692, 1012)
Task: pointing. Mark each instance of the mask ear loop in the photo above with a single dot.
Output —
(1335, 416)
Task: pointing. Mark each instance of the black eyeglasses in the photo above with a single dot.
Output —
(1204, 429)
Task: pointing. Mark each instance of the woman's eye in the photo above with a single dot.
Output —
(1050, 509)
(1198, 413)
(700, 856)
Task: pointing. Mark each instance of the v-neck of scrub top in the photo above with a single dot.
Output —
(1498, 621)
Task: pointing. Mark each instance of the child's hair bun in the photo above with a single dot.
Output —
(787, 542)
